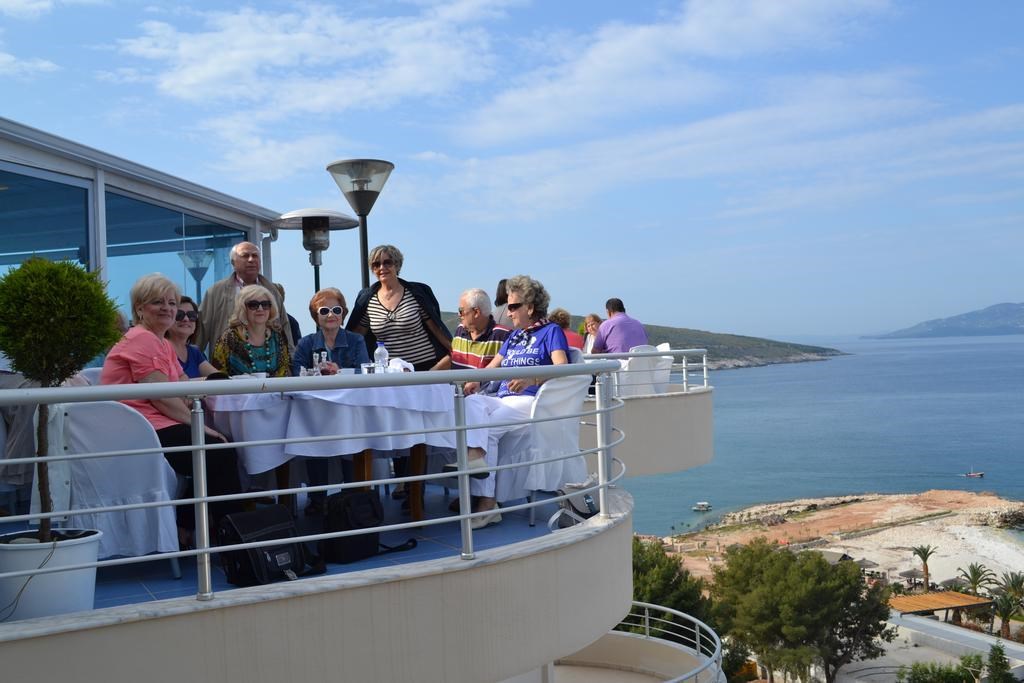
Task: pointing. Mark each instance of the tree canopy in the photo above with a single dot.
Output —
(795, 610)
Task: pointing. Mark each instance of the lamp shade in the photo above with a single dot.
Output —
(361, 181)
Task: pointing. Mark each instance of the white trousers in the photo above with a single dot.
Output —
(487, 410)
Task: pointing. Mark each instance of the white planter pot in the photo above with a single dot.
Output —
(47, 594)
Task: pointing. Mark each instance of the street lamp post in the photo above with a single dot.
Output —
(316, 225)
(361, 181)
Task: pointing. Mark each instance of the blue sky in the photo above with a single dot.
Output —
(770, 168)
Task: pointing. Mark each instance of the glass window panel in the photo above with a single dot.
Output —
(42, 217)
(145, 238)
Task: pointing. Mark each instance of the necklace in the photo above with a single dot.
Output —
(260, 356)
(390, 314)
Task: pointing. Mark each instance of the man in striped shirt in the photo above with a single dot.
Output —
(478, 338)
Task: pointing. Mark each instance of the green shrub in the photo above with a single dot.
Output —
(54, 318)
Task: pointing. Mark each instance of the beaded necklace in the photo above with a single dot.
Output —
(260, 356)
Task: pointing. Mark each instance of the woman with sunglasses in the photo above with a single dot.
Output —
(181, 334)
(345, 349)
(404, 315)
(535, 341)
(253, 342)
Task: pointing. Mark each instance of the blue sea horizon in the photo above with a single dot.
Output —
(894, 416)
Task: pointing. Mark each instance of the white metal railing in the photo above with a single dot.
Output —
(644, 381)
(196, 391)
(677, 629)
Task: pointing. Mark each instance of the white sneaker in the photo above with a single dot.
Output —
(486, 520)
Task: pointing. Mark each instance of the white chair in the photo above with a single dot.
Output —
(540, 440)
(662, 369)
(575, 355)
(119, 480)
(91, 375)
(637, 375)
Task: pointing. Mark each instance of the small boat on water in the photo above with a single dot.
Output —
(702, 506)
(973, 475)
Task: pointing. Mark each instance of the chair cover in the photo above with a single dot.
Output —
(559, 396)
(662, 369)
(638, 375)
(119, 480)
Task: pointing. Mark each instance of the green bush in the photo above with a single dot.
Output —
(56, 317)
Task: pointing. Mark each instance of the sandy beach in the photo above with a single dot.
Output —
(960, 525)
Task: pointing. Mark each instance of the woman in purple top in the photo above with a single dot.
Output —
(535, 341)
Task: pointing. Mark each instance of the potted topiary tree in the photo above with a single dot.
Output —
(54, 318)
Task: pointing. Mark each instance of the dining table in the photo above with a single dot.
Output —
(358, 422)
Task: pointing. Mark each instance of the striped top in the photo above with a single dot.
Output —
(402, 330)
(470, 354)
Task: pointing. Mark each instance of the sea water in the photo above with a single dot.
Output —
(894, 416)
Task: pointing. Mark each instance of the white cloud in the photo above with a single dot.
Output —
(123, 75)
(622, 70)
(316, 59)
(250, 155)
(840, 141)
(25, 9)
(24, 68)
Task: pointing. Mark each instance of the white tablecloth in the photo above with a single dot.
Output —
(251, 417)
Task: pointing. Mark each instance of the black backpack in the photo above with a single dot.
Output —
(254, 566)
(350, 510)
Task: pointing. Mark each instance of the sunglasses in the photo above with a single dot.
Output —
(191, 315)
(336, 310)
(467, 311)
(386, 263)
(254, 305)
(515, 307)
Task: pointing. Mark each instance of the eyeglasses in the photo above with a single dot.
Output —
(386, 263)
(515, 307)
(336, 310)
(254, 305)
(191, 315)
(467, 311)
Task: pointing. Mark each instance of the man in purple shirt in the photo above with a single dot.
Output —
(619, 333)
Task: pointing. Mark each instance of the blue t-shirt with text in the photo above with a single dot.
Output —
(524, 349)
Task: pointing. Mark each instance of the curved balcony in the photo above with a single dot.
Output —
(449, 611)
(652, 643)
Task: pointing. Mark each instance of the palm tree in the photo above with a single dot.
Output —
(977, 576)
(1004, 607)
(1012, 583)
(924, 552)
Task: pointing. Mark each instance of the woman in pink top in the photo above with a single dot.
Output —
(144, 355)
(562, 318)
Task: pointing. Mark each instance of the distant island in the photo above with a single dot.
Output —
(994, 320)
(724, 350)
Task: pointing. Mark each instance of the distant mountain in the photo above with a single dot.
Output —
(724, 350)
(994, 320)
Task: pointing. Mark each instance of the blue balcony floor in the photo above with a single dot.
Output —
(150, 581)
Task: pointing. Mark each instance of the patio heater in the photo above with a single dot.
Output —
(361, 181)
(316, 226)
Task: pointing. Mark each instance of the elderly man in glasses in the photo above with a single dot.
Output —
(219, 299)
(478, 337)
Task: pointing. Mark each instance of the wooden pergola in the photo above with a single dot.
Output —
(926, 603)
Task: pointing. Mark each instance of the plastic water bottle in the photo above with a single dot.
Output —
(380, 357)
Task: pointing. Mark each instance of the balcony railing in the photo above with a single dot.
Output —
(649, 372)
(195, 392)
(678, 629)
(599, 416)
